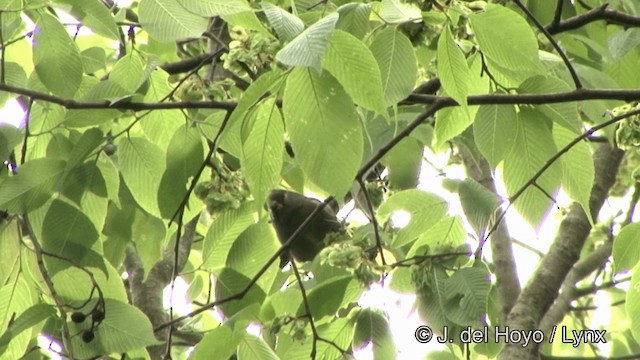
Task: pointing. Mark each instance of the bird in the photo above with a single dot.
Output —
(289, 210)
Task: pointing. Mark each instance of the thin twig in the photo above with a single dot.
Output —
(374, 220)
(550, 162)
(60, 305)
(554, 43)
(309, 316)
(558, 14)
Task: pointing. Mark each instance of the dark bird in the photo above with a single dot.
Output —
(288, 211)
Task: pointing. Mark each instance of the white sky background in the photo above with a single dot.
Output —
(403, 319)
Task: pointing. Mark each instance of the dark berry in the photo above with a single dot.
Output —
(110, 149)
(78, 317)
(97, 315)
(88, 336)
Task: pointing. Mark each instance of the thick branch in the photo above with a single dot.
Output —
(189, 64)
(443, 101)
(568, 291)
(597, 14)
(533, 99)
(538, 295)
(147, 295)
(507, 283)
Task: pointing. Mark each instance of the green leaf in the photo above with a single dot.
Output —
(626, 248)
(10, 246)
(623, 71)
(328, 297)
(15, 298)
(340, 332)
(11, 17)
(578, 171)
(167, 20)
(29, 318)
(321, 119)
(564, 114)
(403, 163)
(32, 187)
(105, 90)
(372, 327)
(517, 52)
(10, 137)
(251, 251)
(74, 285)
(221, 341)
(127, 72)
(354, 19)
(142, 165)
(397, 62)
(13, 75)
(85, 186)
(632, 303)
(479, 204)
(623, 42)
(467, 291)
(216, 7)
(68, 233)
(535, 147)
(452, 68)
(184, 157)
(494, 131)
(425, 210)
(353, 65)
(452, 121)
(229, 283)
(444, 235)
(86, 144)
(45, 117)
(247, 20)
(110, 177)
(56, 57)
(93, 59)
(308, 48)
(253, 347)
(160, 125)
(286, 25)
(222, 234)
(94, 15)
(282, 301)
(262, 150)
(230, 140)
(396, 12)
(148, 234)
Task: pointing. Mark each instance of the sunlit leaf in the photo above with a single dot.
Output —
(321, 119)
(397, 62)
(308, 48)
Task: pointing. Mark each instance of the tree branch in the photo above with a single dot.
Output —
(147, 295)
(597, 14)
(507, 281)
(568, 292)
(554, 43)
(443, 101)
(537, 296)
